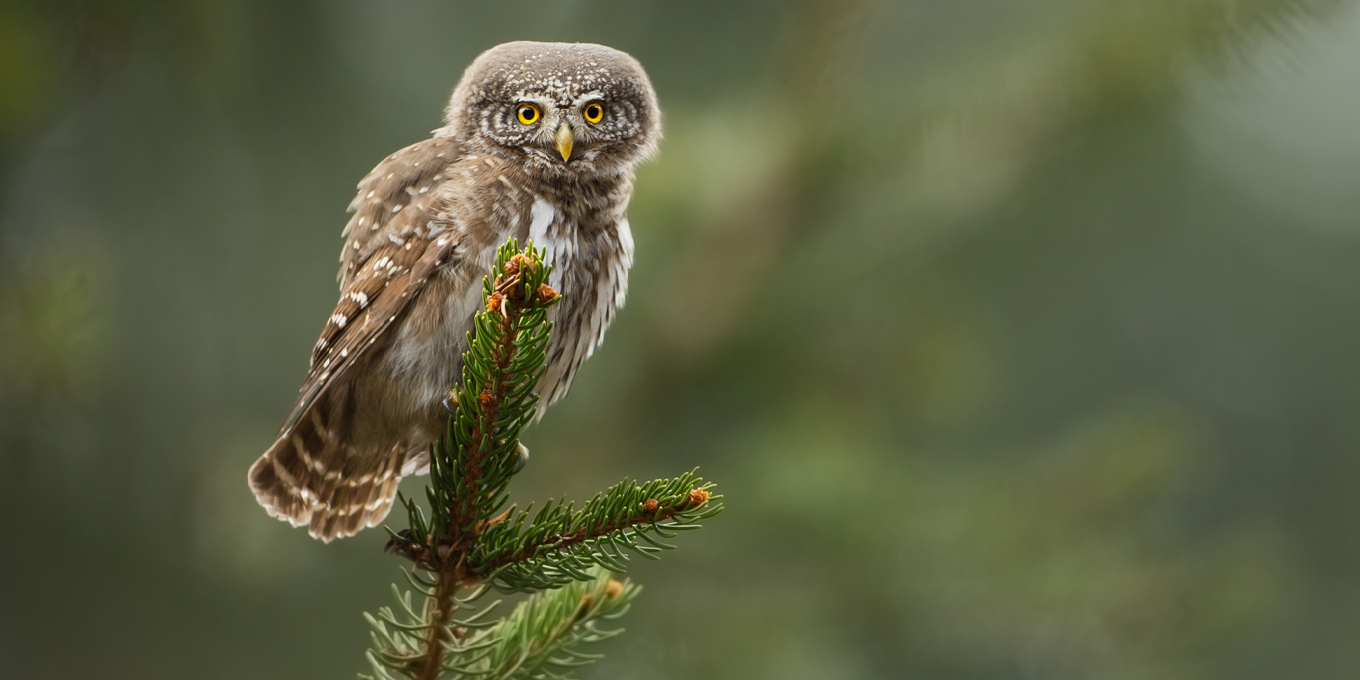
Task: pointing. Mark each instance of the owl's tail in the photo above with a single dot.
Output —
(309, 476)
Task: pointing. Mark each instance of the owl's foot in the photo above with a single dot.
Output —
(523, 456)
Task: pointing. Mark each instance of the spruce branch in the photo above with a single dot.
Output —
(540, 639)
(468, 542)
(471, 464)
(560, 544)
(545, 629)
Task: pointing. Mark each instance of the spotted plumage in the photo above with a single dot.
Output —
(426, 222)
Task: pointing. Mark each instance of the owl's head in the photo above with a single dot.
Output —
(561, 108)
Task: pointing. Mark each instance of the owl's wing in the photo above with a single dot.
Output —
(389, 254)
(393, 200)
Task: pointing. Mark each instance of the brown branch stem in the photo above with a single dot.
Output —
(448, 562)
(444, 604)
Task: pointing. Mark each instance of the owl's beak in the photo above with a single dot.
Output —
(564, 141)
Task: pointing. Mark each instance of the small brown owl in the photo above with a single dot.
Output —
(539, 143)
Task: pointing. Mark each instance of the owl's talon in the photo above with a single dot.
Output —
(522, 459)
(448, 403)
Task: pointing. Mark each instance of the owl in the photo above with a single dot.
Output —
(539, 142)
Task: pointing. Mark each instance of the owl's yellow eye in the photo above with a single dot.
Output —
(528, 114)
(593, 113)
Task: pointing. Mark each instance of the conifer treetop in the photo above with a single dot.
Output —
(468, 540)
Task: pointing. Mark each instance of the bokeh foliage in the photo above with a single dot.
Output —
(1023, 331)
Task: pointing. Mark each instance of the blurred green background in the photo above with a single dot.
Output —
(1021, 336)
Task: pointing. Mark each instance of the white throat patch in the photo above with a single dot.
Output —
(547, 229)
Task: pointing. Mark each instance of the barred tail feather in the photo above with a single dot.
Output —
(308, 477)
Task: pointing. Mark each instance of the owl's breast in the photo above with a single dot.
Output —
(590, 255)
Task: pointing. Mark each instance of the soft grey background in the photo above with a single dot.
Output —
(1021, 336)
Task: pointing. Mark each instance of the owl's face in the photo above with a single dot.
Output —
(559, 108)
